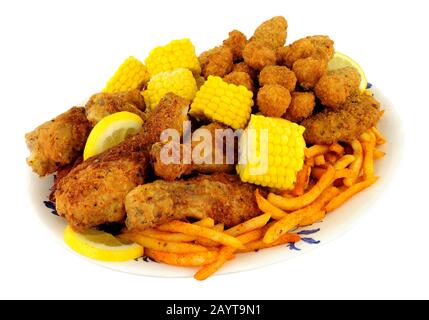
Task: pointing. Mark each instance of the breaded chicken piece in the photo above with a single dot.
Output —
(272, 33)
(346, 123)
(207, 165)
(236, 42)
(334, 88)
(278, 75)
(216, 62)
(308, 71)
(258, 56)
(243, 67)
(58, 142)
(240, 79)
(93, 192)
(301, 106)
(319, 47)
(273, 100)
(103, 104)
(221, 197)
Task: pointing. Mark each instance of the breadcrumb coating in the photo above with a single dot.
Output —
(346, 123)
(334, 88)
(243, 67)
(240, 79)
(272, 33)
(273, 100)
(258, 56)
(309, 70)
(278, 75)
(236, 42)
(301, 106)
(216, 62)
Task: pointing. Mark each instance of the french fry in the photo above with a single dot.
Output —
(309, 162)
(301, 181)
(160, 245)
(167, 236)
(266, 207)
(194, 230)
(343, 173)
(249, 225)
(344, 162)
(225, 254)
(368, 158)
(380, 139)
(293, 219)
(260, 244)
(315, 151)
(312, 219)
(210, 243)
(365, 137)
(317, 172)
(331, 157)
(337, 148)
(183, 259)
(319, 160)
(307, 198)
(206, 222)
(348, 193)
(378, 154)
(356, 166)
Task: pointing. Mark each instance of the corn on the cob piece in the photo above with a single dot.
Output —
(180, 81)
(223, 102)
(130, 75)
(176, 54)
(271, 152)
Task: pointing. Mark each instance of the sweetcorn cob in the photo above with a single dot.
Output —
(176, 54)
(180, 81)
(223, 102)
(271, 152)
(130, 75)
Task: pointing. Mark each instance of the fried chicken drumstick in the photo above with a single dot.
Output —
(222, 197)
(93, 192)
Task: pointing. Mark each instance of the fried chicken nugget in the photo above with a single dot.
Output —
(278, 75)
(216, 62)
(240, 79)
(301, 106)
(243, 67)
(273, 100)
(272, 33)
(58, 142)
(308, 71)
(334, 88)
(320, 47)
(103, 104)
(236, 42)
(258, 56)
(346, 123)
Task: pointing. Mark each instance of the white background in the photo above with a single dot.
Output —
(54, 54)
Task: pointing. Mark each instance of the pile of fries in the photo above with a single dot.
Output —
(331, 175)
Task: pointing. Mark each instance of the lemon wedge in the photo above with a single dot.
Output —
(102, 246)
(340, 60)
(111, 131)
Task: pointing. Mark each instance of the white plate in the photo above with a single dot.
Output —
(330, 228)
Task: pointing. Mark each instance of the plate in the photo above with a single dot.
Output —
(313, 236)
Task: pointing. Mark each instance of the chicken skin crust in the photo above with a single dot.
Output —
(93, 192)
(58, 142)
(103, 104)
(220, 196)
(345, 124)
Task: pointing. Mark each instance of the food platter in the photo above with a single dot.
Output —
(312, 237)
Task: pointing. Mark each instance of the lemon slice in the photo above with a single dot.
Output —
(102, 246)
(340, 60)
(111, 131)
